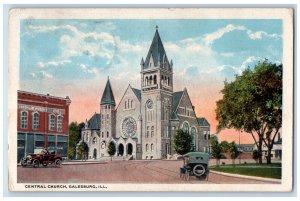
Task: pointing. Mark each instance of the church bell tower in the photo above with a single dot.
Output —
(156, 100)
(108, 118)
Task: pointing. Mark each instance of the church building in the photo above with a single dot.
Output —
(142, 125)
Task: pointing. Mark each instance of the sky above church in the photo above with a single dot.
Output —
(74, 58)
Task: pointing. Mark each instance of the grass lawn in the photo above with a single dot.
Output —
(263, 170)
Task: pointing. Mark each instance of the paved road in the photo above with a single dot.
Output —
(119, 172)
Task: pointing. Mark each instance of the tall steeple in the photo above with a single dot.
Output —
(108, 96)
(156, 53)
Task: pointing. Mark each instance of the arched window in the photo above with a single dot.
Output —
(165, 80)
(147, 133)
(51, 122)
(152, 131)
(24, 119)
(35, 120)
(185, 127)
(193, 135)
(102, 135)
(154, 79)
(125, 104)
(131, 103)
(168, 81)
(152, 147)
(107, 134)
(59, 123)
(94, 140)
(147, 147)
(146, 81)
(150, 80)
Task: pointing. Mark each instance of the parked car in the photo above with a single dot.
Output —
(195, 164)
(44, 157)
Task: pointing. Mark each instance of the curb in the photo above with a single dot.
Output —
(247, 177)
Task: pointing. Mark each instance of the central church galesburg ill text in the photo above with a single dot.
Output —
(144, 122)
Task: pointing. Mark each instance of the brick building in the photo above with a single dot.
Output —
(42, 123)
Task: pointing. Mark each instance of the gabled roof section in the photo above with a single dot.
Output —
(156, 51)
(174, 116)
(176, 99)
(94, 122)
(202, 122)
(137, 92)
(108, 96)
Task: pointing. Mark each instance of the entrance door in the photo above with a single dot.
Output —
(95, 154)
(129, 149)
(120, 150)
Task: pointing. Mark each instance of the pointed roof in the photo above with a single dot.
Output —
(94, 122)
(202, 122)
(157, 51)
(176, 99)
(137, 92)
(108, 96)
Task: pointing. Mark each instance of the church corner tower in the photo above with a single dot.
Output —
(108, 118)
(156, 100)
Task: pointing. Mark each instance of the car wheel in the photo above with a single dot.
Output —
(57, 163)
(45, 164)
(23, 163)
(36, 163)
(199, 170)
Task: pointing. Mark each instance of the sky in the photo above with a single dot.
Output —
(75, 57)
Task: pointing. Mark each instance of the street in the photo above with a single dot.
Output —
(156, 171)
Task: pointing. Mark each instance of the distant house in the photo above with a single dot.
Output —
(276, 152)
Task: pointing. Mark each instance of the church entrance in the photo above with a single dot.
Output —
(120, 150)
(95, 154)
(129, 149)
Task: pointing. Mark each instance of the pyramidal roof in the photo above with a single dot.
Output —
(157, 51)
(108, 96)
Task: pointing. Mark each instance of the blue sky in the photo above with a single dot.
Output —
(80, 54)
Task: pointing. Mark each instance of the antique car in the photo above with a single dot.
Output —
(195, 164)
(44, 157)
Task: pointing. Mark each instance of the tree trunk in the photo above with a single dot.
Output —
(269, 155)
(259, 149)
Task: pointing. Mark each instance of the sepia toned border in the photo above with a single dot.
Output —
(286, 15)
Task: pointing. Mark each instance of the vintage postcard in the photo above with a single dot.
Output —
(151, 99)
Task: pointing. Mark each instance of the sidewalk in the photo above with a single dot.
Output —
(80, 162)
(247, 177)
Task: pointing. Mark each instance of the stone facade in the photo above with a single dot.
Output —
(144, 122)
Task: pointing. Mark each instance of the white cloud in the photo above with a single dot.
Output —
(87, 69)
(248, 61)
(33, 75)
(53, 63)
(45, 74)
(41, 65)
(210, 38)
(260, 34)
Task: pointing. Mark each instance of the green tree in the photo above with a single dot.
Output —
(74, 138)
(182, 142)
(216, 149)
(111, 149)
(83, 151)
(225, 146)
(253, 103)
(255, 155)
(233, 151)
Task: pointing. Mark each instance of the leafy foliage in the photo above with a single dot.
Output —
(111, 148)
(216, 149)
(253, 103)
(74, 137)
(83, 150)
(182, 142)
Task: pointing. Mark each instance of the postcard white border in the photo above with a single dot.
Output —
(285, 14)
